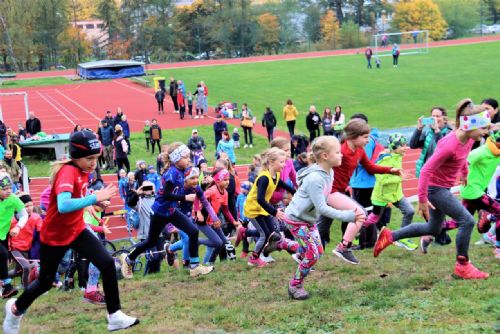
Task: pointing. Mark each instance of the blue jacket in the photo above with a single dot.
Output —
(360, 178)
(240, 204)
(154, 178)
(218, 128)
(228, 147)
(126, 129)
(106, 134)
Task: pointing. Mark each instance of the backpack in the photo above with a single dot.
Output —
(155, 133)
(133, 219)
(377, 150)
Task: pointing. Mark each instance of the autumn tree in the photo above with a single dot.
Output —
(461, 15)
(419, 15)
(330, 28)
(269, 33)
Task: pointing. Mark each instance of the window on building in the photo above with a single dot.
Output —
(89, 26)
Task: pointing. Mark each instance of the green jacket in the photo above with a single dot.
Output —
(146, 132)
(388, 188)
(483, 162)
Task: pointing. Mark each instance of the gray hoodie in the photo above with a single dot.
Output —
(309, 202)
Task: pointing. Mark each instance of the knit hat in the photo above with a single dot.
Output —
(246, 186)
(396, 140)
(151, 167)
(83, 144)
(25, 198)
(5, 181)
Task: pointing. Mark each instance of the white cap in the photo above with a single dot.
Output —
(194, 131)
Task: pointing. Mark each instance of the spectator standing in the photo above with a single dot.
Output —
(173, 94)
(147, 133)
(160, 97)
(106, 134)
(338, 122)
(109, 118)
(269, 122)
(226, 144)
(200, 100)
(118, 117)
(3, 133)
(395, 55)
(236, 138)
(155, 135)
(33, 125)
(368, 55)
(181, 103)
(327, 122)
(121, 149)
(313, 122)
(205, 100)
(247, 125)
(290, 114)
(126, 132)
(219, 127)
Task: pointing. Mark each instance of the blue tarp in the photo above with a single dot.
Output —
(111, 69)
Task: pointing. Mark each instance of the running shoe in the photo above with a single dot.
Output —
(345, 254)
(272, 244)
(425, 242)
(120, 320)
(465, 270)
(297, 292)
(200, 270)
(256, 262)
(484, 222)
(384, 240)
(94, 297)
(407, 244)
(12, 322)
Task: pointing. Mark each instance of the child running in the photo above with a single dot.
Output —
(357, 133)
(309, 202)
(64, 228)
(389, 188)
(257, 206)
(436, 178)
(165, 210)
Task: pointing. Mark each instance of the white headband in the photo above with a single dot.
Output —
(476, 121)
(178, 153)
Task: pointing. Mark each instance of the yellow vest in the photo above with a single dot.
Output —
(252, 208)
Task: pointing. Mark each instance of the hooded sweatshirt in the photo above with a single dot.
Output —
(290, 113)
(483, 162)
(309, 202)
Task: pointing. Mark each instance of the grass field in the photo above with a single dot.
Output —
(37, 82)
(399, 292)
(391, 97)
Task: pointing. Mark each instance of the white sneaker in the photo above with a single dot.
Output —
(246, 146)
(11, 323)
(125, 267)
(251, 145)
(267, 259)
(120, 320)
(200, 270)
(202, 116)
(196, 117)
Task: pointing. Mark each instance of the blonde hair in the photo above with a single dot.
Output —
(227, 165)
(321, 145)
(171, 148)
(466, 108)
(55, 167)
(280, 142)
(356, 128)
(270, 155)
(310, 158)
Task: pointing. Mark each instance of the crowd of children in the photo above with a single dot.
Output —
(283, 205)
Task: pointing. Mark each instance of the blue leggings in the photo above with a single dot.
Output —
(183, 244)
(216, 239)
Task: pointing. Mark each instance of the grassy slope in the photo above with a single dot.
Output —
(390, 97)
(37, 82)
(416, 295)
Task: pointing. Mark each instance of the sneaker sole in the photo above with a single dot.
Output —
(119, 328)
(455, 276)
(343, 258)
(94, 302)
(301, 298)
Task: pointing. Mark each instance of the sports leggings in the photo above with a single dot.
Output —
(92, 249)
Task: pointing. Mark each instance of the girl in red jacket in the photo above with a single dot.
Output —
(357, 133)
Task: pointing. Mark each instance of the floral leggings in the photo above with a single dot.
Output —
(309, 248)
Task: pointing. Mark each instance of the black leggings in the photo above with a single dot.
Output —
(395, 60)
(153, 143)
(148, 140)
(179, 220)
(4, 259)
(123, 162)
(291, 127)
(270, 132)
(92, 249)
(160, 106)
(313, 134)
(248, 133)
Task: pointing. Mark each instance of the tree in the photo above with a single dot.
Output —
(312, 27)
(350, 36)
(461, 15)
(330, 28)
(108, 12)
(74, 45)
(269, 36)
(419, 15)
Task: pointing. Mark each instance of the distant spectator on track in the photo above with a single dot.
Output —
(173, 94)
(33, 125)
(126, 131)
(160, 97)
(219, 127)
(368, 55)
(106, 134)
(109, 118)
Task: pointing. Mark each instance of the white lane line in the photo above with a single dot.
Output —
(43, 97)
(137, 89)
(60, 106)
(78, 104)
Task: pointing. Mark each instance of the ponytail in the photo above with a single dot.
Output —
(55, 167)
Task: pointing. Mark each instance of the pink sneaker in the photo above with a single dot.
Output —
(240, 235)
(258, 262)
(484, 223)
(465, 270)
(243, 255)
